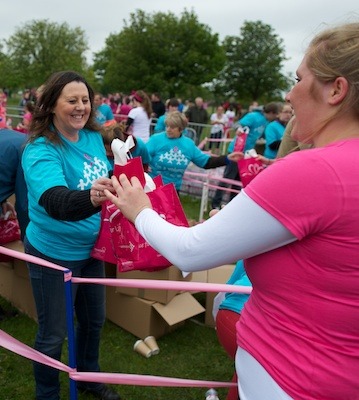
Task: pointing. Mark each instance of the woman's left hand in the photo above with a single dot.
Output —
(235, 156)
(97, 191)
(264, 160)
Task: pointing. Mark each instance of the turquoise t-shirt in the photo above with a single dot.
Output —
(75, 165)
(256, 122)
(104, 113)
(141, 151)
(170, 157)
(160, 124)
(235, 301)
(274, 132)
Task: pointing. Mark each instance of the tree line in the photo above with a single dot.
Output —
(156, 52)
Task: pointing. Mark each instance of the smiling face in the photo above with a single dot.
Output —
(72, 109)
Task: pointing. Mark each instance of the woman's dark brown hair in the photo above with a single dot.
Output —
(42, 120)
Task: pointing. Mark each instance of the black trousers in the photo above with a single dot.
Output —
(230, 172)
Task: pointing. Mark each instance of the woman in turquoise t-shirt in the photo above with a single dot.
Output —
(171, 152)
(275, 130)
(66, 172)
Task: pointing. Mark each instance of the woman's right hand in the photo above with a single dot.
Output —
(264, 160)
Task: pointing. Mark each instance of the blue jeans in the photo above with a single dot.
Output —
(89, 305)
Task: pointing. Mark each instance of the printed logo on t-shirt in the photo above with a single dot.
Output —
(174, 156)
(92, 170)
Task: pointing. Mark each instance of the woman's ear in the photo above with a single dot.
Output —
(338, 91)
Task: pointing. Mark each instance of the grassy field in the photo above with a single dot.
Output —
(192, 352)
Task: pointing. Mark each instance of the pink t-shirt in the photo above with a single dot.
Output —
(302, 319)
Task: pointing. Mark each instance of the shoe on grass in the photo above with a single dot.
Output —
(102, 393)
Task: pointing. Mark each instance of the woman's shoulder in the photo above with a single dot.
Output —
(133, 111)
(159, 137)
(140, 144)
(137, 111)
(39, 140)
(39, 148)
(90, 131)
(274, 126)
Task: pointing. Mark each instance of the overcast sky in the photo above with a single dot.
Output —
(293, 21)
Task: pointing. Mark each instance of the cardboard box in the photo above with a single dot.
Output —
(162, 296)
(22, 297)
(15, 283)
(144, 317)
(17, 245)
(7, 270)
(199, 276)
(20, 269)
(216, 275)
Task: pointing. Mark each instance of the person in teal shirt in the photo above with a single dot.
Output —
(171, 105)
(227, 316)
(254, 123)
(275, 130)
(104, 112)
(171, 152)
(66, 172)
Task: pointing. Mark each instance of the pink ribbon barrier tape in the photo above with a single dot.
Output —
(27, 257)
(167, 285)
(144, 380)
(10, 343)
(20, 348)
(137, 283)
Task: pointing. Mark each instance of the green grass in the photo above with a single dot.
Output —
(191, 206)
(191, 352)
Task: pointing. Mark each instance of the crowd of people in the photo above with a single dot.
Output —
(297, 335)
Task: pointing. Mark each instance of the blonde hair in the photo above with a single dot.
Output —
(176, 119)
(334, 53)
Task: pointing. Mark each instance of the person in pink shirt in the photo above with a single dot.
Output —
(296, 225)
(123, 109)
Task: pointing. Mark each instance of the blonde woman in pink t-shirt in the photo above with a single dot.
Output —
(296, 225)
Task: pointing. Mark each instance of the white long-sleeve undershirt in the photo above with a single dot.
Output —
(242, 229)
